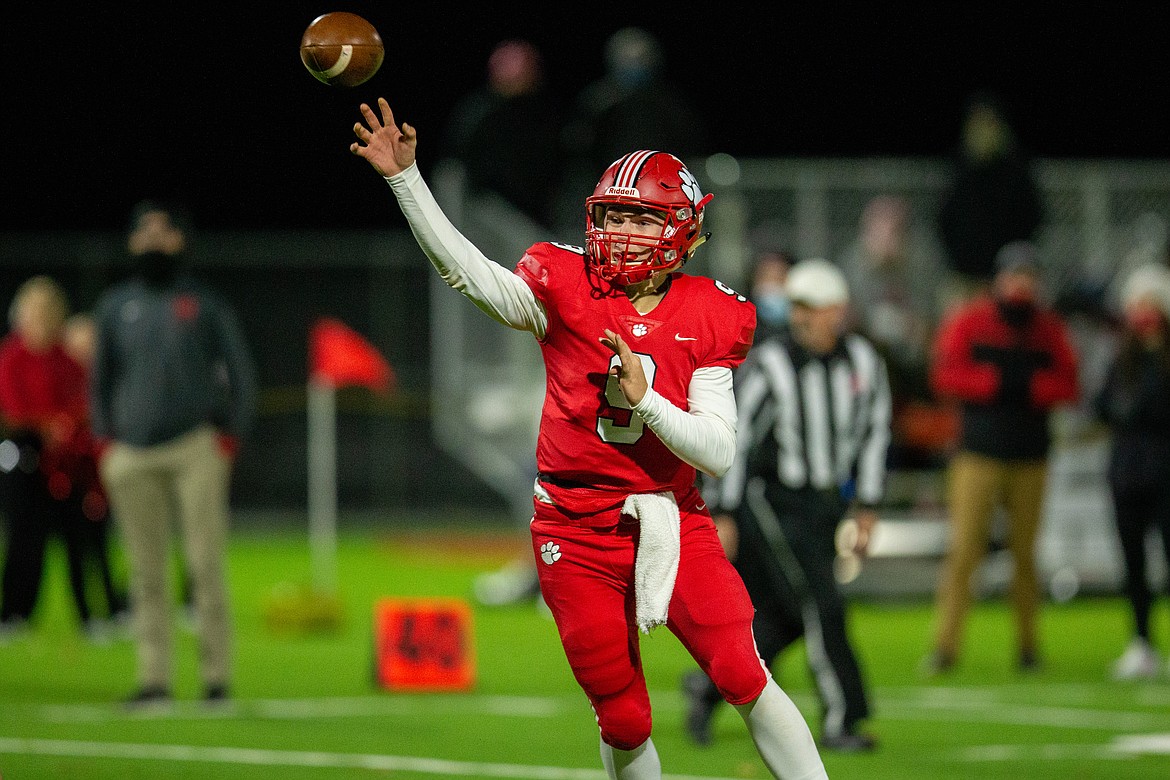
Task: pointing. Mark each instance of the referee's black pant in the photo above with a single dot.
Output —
(787, 547)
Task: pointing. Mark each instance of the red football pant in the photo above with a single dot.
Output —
(589, 587)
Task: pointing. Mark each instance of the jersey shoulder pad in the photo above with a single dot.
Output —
(547, 263)
(733, 319)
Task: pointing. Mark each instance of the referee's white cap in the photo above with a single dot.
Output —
(816, 282)
(1151, 281)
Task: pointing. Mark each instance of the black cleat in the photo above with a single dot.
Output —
(216, 694)
(1030, 662)
(936, 664)
(148, 696)
(849, 742)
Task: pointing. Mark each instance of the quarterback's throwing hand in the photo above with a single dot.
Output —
(382, 144)
(629, 372)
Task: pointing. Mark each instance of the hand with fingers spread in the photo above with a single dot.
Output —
(631, 376)
(383, 145)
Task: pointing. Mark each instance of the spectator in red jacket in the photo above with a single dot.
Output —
(45, 455)
(1007, 358)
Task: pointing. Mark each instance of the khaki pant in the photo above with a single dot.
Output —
(976, 486)
(148, 486)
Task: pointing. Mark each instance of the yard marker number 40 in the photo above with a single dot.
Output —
(424, 644)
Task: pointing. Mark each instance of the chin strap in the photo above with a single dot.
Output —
(698, 243)
(691, 252)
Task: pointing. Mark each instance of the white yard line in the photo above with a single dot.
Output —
(1149, 744)
(300, 758)
(931, 703)
(979, 705)
(1020, 715)
(338, 707)
(1121, 748)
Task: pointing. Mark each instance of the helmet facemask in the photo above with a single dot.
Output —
(644, 181)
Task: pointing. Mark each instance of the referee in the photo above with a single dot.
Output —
(814, 429)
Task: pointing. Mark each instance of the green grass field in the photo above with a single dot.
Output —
(307, 706)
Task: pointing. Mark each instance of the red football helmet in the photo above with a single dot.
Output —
(647, 180)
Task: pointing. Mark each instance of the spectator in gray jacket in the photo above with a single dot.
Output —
(173, 392)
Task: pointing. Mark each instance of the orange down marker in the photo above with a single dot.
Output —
(424, 644)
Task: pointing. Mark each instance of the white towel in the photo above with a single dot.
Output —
(656, 562)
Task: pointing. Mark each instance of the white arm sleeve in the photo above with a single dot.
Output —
(705, 436)
(501, 294)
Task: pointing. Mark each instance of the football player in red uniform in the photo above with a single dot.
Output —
(638, 360)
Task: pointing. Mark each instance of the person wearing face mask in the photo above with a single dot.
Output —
(769, 272)
(814, 432)
(172, 394)
(1007, 359)
(1134, 403)
(635, 104)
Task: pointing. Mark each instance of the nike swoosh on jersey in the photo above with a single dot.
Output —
(678, 337)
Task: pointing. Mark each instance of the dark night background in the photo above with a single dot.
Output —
(105, 105)
(210, 103)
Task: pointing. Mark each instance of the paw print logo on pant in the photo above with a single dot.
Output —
(550, 552)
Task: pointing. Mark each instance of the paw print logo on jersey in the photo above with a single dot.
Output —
(550, 552)
(639, 330)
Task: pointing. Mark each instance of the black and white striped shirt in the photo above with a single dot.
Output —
(819, 421)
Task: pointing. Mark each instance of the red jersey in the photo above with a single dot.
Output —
(37, 388)
(46, 393)
(589, 436)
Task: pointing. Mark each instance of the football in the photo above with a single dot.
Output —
(342, 49)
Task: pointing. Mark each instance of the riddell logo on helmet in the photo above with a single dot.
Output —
(626, 191)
